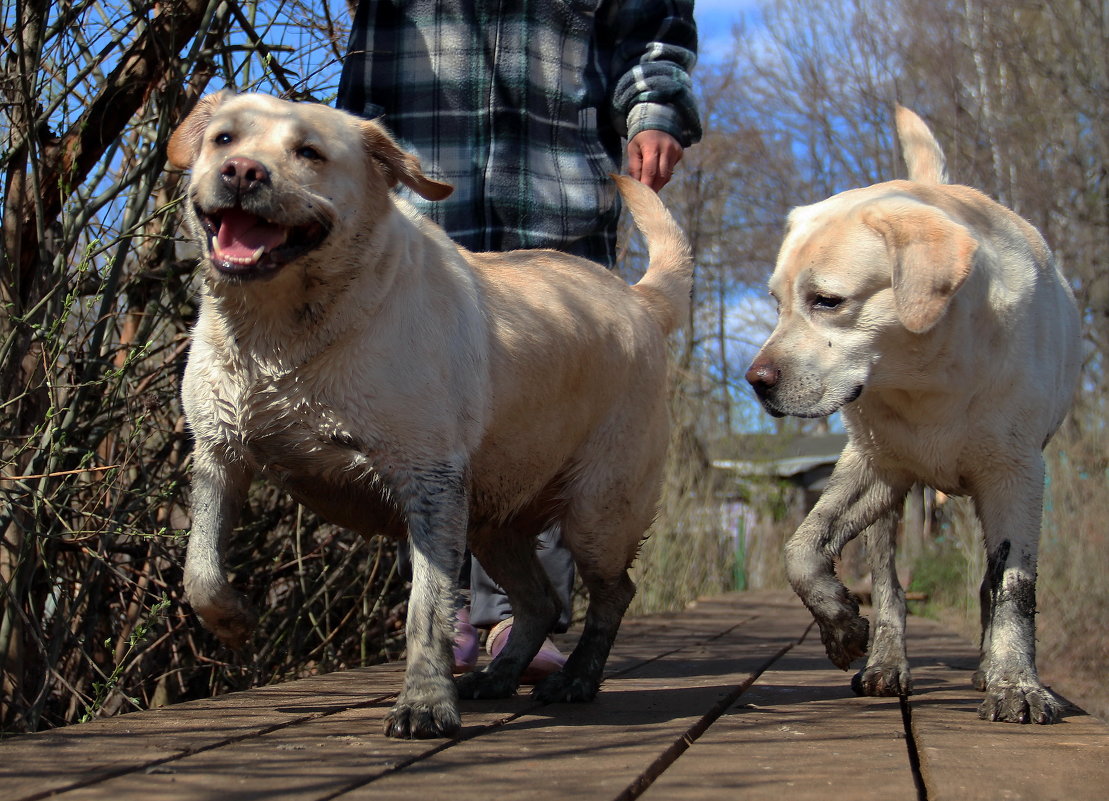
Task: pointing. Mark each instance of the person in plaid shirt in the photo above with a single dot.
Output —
(523, 106)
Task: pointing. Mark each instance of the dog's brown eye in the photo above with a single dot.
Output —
(826, 302)
(223, 139)
(309, 152)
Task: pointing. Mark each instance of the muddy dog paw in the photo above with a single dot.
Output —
(883, 680)
(225, 613)
(845, 639)
(422, 721)
(1020, 704)
(484, 684)
(562, 687)
(427, 707)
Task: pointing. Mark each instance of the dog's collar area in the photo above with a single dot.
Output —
(246, 245)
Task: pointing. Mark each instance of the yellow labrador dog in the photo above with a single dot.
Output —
(349, 351)
(937, 322)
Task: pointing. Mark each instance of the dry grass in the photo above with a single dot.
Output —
(688, 552)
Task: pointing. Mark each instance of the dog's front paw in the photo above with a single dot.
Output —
(226, 614)
(845, 639)
(883, 680)
(427, 707)
(422, 721)
(562, 687)
(1027, 703)
(484, 684)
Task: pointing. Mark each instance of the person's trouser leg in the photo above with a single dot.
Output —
(488, 603)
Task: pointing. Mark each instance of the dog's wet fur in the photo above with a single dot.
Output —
(936, 321)
(395, 383)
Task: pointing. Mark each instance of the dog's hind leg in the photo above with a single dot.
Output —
(580, 677)
(1009, 507)
(856, 496)
(219, 488)
(434, 502)
(602, 558)
(887, 668)
(508, 556)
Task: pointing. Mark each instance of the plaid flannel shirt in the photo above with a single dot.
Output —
(521, 105)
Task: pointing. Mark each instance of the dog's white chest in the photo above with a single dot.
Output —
(274, 422)
(930, 452)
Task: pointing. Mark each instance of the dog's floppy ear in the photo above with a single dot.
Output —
(398, 165)
(932, 256)
(184, 145)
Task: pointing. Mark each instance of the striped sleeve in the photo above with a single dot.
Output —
(655, 53)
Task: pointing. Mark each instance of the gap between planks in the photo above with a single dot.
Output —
(164, 763)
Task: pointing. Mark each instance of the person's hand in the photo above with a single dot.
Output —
(652, 156)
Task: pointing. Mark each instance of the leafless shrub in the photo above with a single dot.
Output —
(96, 304)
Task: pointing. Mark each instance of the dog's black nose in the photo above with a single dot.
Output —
(243, 174)
(762, 376)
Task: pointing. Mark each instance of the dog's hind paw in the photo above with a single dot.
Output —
(483, 684)
(422, 721)
(561, 687)
(845, 640)
(883, 681)
(1020, 704)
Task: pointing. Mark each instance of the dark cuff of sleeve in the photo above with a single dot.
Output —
(657, 117)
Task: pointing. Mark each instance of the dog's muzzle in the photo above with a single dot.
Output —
(243, 241)
(763, 377)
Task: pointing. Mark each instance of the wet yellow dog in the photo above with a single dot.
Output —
(349, 351)
(935, 320)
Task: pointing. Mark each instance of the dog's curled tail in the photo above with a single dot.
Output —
(666, 286)
(922, 152)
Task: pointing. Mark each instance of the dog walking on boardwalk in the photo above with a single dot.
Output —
(937, 322)
(391, 381)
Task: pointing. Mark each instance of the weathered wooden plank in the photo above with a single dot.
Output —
(967, 759)
(797, 733)
(38, 764)
(312, 760)
(595, 751)
(303, 739)
(797, 730)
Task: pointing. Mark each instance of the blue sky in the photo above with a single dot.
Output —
(715, 19)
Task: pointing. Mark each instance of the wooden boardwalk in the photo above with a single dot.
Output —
(730, 699)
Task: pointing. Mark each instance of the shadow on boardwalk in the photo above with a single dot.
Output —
(731, 696)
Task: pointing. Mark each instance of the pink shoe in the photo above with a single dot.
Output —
(547, 661)
(465, 642)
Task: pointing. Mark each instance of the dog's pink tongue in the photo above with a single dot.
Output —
(241, 234)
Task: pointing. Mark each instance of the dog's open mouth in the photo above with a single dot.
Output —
(244, 245)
